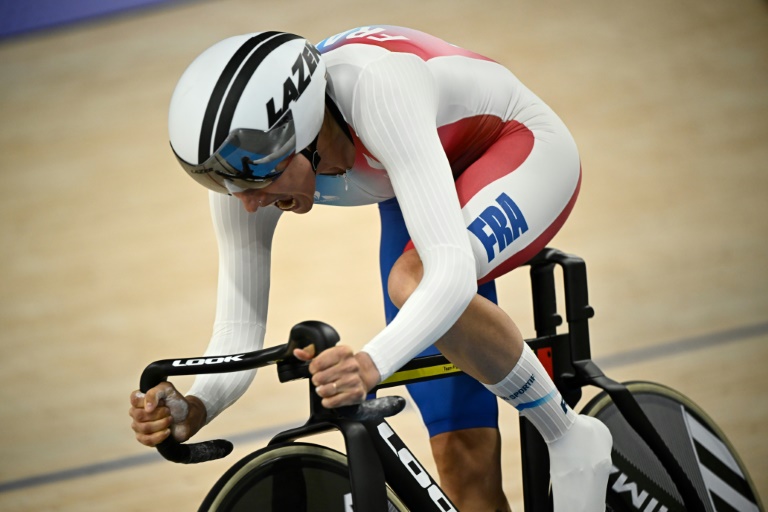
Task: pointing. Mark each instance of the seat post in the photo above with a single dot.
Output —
(545, 317)
(577, 308)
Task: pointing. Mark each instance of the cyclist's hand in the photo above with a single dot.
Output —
(340, 376)
(163, 411)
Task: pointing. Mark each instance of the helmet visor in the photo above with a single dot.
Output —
(247, 158)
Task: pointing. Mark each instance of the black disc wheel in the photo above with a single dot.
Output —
(639, 482)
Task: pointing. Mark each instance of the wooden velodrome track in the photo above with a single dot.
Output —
(109, 262)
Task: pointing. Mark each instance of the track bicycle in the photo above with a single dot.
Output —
(668, 455)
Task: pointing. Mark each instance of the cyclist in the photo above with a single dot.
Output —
(482, 170)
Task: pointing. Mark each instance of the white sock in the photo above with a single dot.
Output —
(579, 466)
(579, 446)
(531, 391)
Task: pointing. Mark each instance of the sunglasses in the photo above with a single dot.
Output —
(247, 158)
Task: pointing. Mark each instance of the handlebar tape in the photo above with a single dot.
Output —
(194, 453)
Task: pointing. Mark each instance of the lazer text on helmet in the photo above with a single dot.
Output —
(292, 90)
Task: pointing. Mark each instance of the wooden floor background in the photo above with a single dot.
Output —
(108, 261)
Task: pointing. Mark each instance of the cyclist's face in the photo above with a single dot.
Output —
(293, 191)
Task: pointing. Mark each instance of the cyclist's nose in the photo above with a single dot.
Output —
(251, 199)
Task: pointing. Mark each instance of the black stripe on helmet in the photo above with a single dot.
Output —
(241, 81)
(209, 119)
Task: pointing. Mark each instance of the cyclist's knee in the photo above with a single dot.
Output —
(467, 455)
(404, 277)
(469, 465)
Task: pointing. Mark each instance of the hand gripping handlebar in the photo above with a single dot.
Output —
(311, 332)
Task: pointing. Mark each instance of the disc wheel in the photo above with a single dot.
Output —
(638, 481)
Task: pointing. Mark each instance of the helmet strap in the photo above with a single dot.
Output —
(311, 154)
(336, 113)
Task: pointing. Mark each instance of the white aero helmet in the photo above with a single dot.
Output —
(244, 105)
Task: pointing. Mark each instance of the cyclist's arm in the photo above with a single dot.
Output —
(395, 112)
(244, 242)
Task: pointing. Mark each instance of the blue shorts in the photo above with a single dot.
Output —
(452, 403)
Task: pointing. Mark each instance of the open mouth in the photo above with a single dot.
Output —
(286, 204)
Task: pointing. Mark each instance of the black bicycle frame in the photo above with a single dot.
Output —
(376, 454)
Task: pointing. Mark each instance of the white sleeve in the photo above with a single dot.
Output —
(394, 111)
(245, 244)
